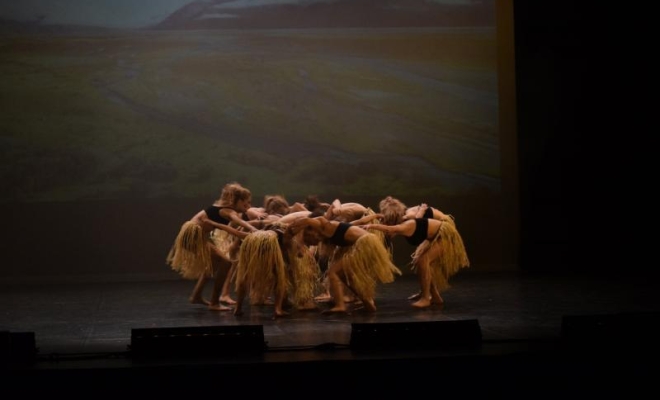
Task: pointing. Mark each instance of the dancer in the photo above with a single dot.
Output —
(275, 261)
(195, 255)
(440, 254)
(342, 212)
(360, 260)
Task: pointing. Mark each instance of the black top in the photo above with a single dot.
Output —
(213, 212)
(338, 237)
(421, 232)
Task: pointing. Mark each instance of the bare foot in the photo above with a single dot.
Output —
(422, 303)
(368, 306)
(227, 300)
(324, 298)
(219, 307)
(199, 300)
(280, 314)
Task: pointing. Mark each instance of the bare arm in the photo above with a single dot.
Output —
(421, 210)
(226, 228)
(367, 218)
(234, 217)
(406, 228)
(333, 209)
(256, 213)
(297, 206)
(379, 227)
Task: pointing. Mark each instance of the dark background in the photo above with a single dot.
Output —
(576, 71)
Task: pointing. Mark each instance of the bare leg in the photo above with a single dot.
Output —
(280, 296)
(424, 273)
(350, 297)
(336, 291)
(221, 269)
(225, 296)
(362, 303)
(435, 296)
(368, 305)
(325, 297)
(323, 264)
(196, 295)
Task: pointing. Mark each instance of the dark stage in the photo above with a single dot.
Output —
(505, 332)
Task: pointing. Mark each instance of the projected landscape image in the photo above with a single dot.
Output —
(383, 100)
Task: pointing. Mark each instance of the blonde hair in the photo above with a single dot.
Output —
(234, 192)
(393, 210)
(276, 204)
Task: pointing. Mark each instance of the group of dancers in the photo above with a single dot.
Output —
(294, 256)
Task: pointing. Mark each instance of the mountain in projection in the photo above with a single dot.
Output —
(224, 14)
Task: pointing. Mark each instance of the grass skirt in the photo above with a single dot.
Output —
(260, 265)
(365, 264)
(304, 276)
(225, 242)
(190, 255)
(453, 256)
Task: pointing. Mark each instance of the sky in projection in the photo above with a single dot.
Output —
(122, 13)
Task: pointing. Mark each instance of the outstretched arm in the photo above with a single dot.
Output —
(367, 218)
(236, 219)
(256, 213)
(226, 228)
(406, 228)
(378, 227)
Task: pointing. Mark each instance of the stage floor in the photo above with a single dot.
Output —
(98, 317)
(83, 327)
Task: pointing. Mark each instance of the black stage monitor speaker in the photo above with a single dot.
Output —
(198, 341)
(17, 348)
(415, 335)
(620, 331)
